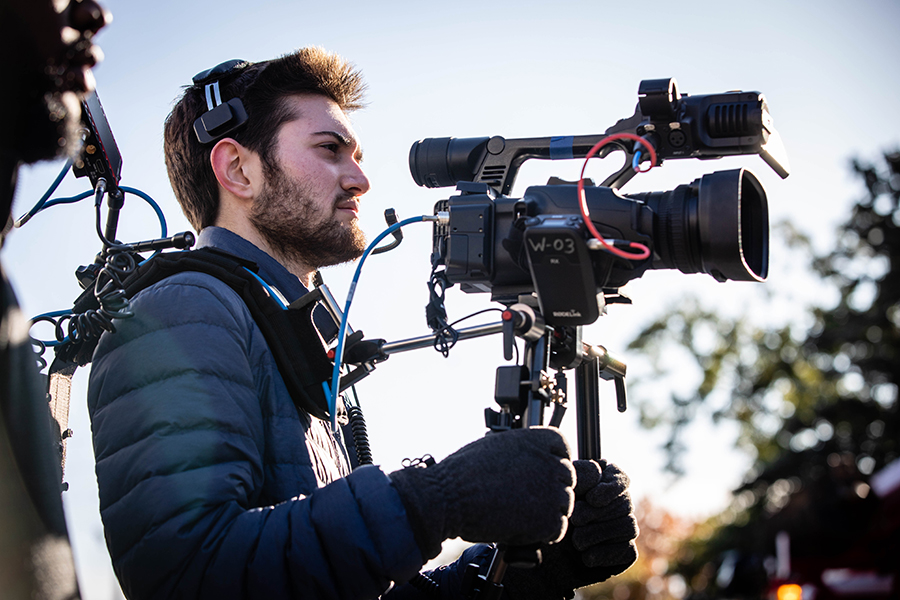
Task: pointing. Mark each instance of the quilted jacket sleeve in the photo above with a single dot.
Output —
(178, 440)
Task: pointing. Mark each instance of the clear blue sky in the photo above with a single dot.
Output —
(517, 69)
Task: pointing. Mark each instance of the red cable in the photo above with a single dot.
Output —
(644, 251)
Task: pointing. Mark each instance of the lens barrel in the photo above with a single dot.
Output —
(718, 224)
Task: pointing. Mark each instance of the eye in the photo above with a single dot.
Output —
(331, 147)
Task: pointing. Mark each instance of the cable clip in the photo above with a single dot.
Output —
(221, 118)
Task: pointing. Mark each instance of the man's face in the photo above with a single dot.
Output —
(308, 209)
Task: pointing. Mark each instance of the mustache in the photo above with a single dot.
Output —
(345, 197)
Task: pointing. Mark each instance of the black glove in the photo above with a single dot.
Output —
(512, 487)
(598, 545)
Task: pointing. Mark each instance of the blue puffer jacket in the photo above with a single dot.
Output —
(212, 484)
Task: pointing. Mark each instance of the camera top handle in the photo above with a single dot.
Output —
(678, 126)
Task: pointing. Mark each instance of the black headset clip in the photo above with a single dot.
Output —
(221, 118)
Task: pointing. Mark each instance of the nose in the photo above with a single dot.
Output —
(355, 180)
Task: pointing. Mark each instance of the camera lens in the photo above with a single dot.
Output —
(718, 225)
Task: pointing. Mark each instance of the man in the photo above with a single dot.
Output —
(212, 482)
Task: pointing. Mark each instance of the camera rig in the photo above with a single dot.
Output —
(559, 254)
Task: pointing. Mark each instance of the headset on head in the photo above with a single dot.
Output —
(221, 118)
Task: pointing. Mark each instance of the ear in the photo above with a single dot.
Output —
(237, 169)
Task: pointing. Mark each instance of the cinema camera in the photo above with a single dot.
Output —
(542, 243)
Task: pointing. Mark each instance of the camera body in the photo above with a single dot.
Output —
(539, 244)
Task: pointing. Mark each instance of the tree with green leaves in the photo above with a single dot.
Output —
(817, 406)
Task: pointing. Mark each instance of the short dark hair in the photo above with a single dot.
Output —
(262, 87)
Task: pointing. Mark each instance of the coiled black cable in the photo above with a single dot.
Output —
(360, 435)
(77, 333)
(109, 291)
(40, 348)
(435, 312)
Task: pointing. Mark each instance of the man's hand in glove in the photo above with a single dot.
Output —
(512, 487)
(598, 544)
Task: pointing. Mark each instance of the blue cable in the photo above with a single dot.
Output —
(153, 204)
(268, 289)
(44, 204)
(40, 204)
(69, 200)
(333, 391)
(636, 161)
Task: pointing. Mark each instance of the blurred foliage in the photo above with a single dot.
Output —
(816, 405)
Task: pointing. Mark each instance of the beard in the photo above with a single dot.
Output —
(286, 216)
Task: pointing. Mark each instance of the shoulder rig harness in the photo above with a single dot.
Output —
(295, 342)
